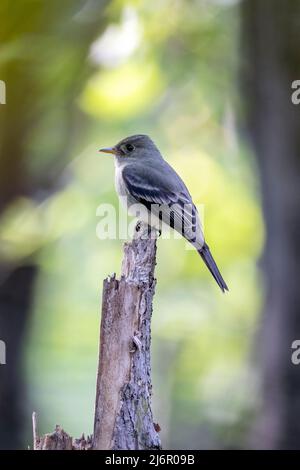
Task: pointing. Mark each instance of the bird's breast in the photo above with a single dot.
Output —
(126, 199)
(119, 181)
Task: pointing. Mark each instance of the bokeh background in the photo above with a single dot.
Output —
(210, 82)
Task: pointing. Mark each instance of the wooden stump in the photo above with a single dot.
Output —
(123, 415)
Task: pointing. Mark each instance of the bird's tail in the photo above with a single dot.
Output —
(211, 264)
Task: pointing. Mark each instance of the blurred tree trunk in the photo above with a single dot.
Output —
(43, 61)
(270, 63)
(15, 302)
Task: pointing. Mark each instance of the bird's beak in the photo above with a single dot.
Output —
(109, 150)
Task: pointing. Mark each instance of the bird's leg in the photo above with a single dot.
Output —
(144, 230)
(147, 229)
(156, 229)
(159, 228)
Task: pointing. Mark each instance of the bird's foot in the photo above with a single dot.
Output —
(144, 230)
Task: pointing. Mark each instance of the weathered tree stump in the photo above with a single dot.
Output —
(58, 439)
(123, 415)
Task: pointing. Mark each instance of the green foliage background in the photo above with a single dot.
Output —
(169, 69)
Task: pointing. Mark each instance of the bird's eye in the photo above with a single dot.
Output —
(129, 147)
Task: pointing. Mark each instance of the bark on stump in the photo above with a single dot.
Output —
(123, 415)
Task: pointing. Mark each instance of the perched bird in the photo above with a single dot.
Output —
(144, 177)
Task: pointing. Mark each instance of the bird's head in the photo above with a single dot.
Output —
(134, 147)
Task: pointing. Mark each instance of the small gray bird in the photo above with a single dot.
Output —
(144, 177)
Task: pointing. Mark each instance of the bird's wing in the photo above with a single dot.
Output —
(166, 197)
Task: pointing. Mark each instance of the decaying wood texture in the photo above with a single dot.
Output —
(123, 415)
(58, 439)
